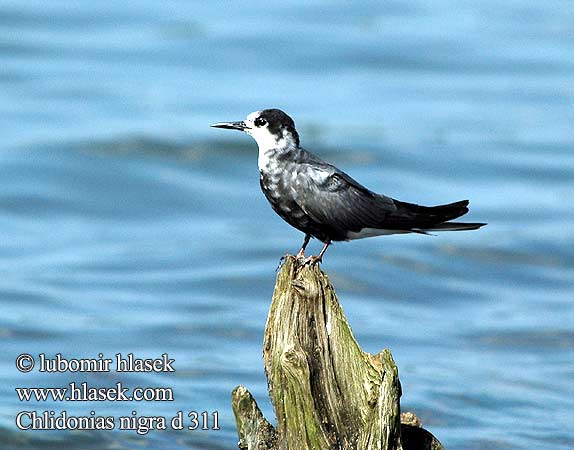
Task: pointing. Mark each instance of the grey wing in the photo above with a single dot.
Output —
(332, 198)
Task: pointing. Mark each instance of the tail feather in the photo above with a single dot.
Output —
(455, 226)
(419, 218)
(440, 212)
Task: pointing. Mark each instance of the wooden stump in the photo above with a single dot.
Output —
(327, 393)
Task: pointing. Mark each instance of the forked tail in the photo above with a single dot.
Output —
(436, 218)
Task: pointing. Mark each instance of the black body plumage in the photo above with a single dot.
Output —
(323, 201)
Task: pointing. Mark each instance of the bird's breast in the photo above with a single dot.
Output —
(283, 186)
(276, 185)
(279, 189)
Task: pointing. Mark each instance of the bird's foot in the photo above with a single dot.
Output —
(301, 259)
(316, 259)
(312, 260)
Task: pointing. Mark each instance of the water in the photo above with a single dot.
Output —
(131, 226)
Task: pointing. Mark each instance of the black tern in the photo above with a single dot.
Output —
(324, 202)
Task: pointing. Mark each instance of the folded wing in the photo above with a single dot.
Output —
(334, 199)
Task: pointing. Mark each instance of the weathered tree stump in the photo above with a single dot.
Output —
(327, 393)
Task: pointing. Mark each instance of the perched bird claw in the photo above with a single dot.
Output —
(311, 260)
(315, 260)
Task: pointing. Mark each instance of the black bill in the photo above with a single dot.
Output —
(231, 125)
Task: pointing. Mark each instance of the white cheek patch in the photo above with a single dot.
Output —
(266, 141)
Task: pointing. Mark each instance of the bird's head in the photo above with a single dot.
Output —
(271, 129)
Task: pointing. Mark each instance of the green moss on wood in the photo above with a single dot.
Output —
(327, 393)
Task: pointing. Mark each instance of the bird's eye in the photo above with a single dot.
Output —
(260, 122)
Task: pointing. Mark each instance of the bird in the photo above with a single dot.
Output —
(324, 202)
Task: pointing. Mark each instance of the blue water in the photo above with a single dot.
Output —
(129, 225)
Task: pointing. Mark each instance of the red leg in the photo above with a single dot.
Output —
(301, 253)
(319, 257)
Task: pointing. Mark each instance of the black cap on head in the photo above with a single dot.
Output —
(279, 121)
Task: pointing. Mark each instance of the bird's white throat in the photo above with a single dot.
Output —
(269, 144)
(263, 160)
